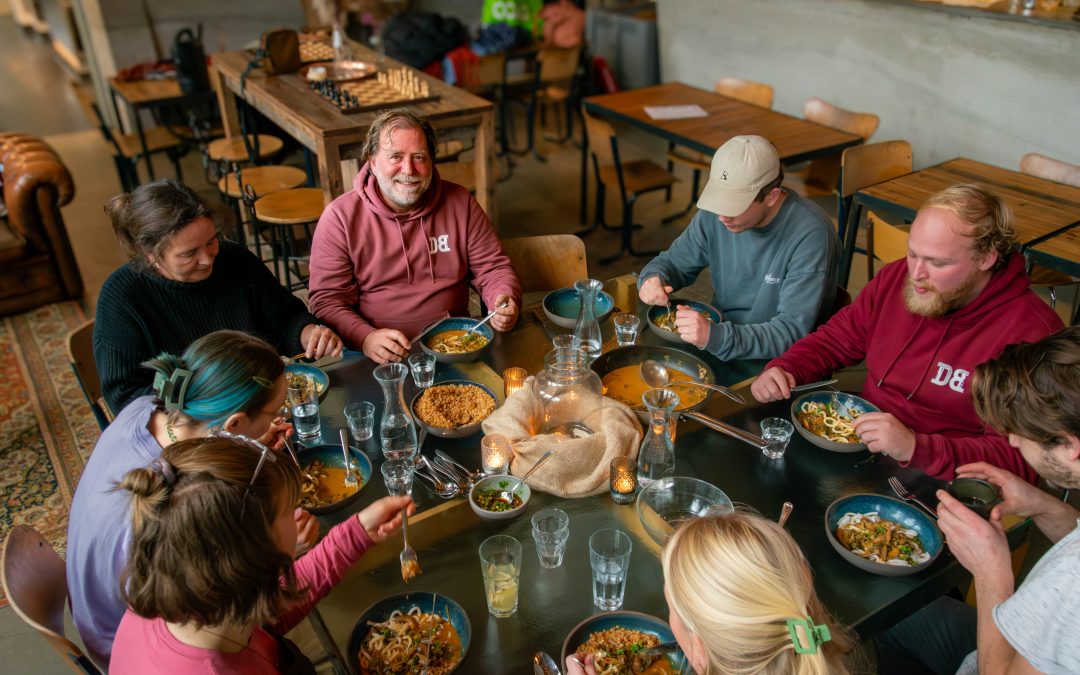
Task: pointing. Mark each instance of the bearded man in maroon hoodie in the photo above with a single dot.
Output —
(402, 248)
(922, 325)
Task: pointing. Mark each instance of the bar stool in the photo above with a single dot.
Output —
(233, 150)
(282, 212)
(264, 180)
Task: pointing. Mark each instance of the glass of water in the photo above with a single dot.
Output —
(609, 554)
(626, 329)
(500, 562)
(551, 530)
(398, 476)
(777, 434)
(423, 369)
(361, 419)
(304, 403)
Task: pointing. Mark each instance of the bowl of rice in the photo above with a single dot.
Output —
(453, 409)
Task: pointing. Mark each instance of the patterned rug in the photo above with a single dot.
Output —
(46, 427)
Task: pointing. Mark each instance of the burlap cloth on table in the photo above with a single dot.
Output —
(580, 466)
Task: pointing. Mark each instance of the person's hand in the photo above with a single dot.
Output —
(772, 385)
(505, 317)
(383, 518)
(318, 341)
(574, 661)
(386, 345)
(654, 292)
(693, 326)
(1018, 497)
(274, 436)
(883, 433)
(307, 531)
(978, 544)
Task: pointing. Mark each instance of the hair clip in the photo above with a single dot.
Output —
(814, 635)
(173, 389)
(263, 382)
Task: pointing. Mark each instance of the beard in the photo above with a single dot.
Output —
(934, 303)
(402, 195)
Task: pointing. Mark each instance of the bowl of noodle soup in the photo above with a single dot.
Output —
(446, 340)
(818, 421)
(322, 477)
(398, 629)
(629, 632)
(876, 514)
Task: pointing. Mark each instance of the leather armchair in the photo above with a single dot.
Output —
(37, 265)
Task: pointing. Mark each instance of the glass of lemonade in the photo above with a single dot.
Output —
(500, 562)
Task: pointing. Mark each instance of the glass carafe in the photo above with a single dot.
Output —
(587, 328)
(397, 431)
(656, 459)
(570, 393)
(340, 43)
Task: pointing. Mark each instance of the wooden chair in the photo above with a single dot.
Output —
(860, 167)
(35, 583)
(884, 242)
(1058, 171)
(554, 83)
(287, 214)
(820, 177)
(547, 262)
(747, 91)
(80, 348)
(632, 179)
(128, 150)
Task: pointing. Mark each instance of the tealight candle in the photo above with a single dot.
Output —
(623, 480)
(513, 379)
(495, 454)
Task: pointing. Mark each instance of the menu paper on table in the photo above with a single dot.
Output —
(674, 112)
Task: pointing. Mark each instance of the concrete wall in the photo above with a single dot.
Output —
(952, 85)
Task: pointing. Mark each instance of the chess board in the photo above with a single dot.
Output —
(388, 90)
(316, 51)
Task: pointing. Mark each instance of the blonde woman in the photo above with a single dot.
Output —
(741, 600)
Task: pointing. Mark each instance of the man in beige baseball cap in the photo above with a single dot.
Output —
(772, 257)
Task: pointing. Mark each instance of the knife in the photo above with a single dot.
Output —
(812, 385)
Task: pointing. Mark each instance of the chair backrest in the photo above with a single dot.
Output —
(873, 163)
(80, 345)
(600, 135)
(747, 91)
(884, 242)
(1049, 168)
(547, 262)
(823, 112)
(558, 64)
(34, 581)
(489, 71)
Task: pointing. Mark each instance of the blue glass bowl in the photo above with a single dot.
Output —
(331, 456)
(311, 372)
(657, 311)
(381, 610)
(456, 323)
(622, 619)
(562, 306)
(855, 403)
(897, 511)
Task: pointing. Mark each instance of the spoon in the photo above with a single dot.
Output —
(543, 664)
(441, 489)
(656, 375)
(473, 476)
(785, 512)
(439, 470)
(508, 495)
(350, 478)
(487, 318)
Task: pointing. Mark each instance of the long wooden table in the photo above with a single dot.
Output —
(1046, 214)
(335, 138)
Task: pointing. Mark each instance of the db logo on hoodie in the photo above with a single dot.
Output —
(947, 376)
(439, 244)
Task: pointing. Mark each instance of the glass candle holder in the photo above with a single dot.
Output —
(495, 454)
(624, 485)
(513, 379)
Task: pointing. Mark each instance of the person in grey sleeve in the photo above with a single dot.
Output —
(771, 253)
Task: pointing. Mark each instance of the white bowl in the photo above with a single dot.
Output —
(492, 483)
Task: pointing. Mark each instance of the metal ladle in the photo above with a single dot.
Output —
(656, 375)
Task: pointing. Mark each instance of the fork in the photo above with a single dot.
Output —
(908, 496)
(846, 411)
(409, 566)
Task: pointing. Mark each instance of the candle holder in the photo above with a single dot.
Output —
(495, 454)
(624, 485)
(513, 379)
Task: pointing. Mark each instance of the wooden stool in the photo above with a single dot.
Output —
(282, 211)
(264, 180)
(232, 150)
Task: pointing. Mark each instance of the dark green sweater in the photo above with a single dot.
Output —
(141, 314)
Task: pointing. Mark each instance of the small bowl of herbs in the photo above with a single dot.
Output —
(486, 500)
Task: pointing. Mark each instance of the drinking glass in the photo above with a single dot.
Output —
(304, 403)
(500, 563)
(423, 370)
(777, 434)
(609, 555)
(626, 329)
(398, 476)
(566, 341)
(551, 530)
(361, 419)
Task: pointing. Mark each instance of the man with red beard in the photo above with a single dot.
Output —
(923, 324)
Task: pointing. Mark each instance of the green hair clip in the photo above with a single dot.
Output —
(815, 635)
(173, 389)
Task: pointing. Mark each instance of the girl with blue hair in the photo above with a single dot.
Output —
(225, 381)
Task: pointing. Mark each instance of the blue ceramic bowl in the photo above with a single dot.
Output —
(630, 620)
(322, 380)
(456, 323)
(897, 511)
(330, 455)
(380, 611)
(456, 432)
(562, 306)
(657, 311)
(855, 403)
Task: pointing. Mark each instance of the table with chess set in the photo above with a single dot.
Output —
(385, 89)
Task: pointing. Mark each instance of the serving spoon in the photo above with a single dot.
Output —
(656, 375)
(508, 495)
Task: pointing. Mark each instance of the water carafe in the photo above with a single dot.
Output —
(587, 328)
(656, 458)
(397, 430)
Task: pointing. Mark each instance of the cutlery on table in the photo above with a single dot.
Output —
(543, 664)
(908, 496)
(441, 489)
(508, 495)
(785, 513)
(814, 385)
(472, 476)
(350, 477)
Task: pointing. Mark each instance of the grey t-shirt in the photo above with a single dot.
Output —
(771, 284)
(1042, 619)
